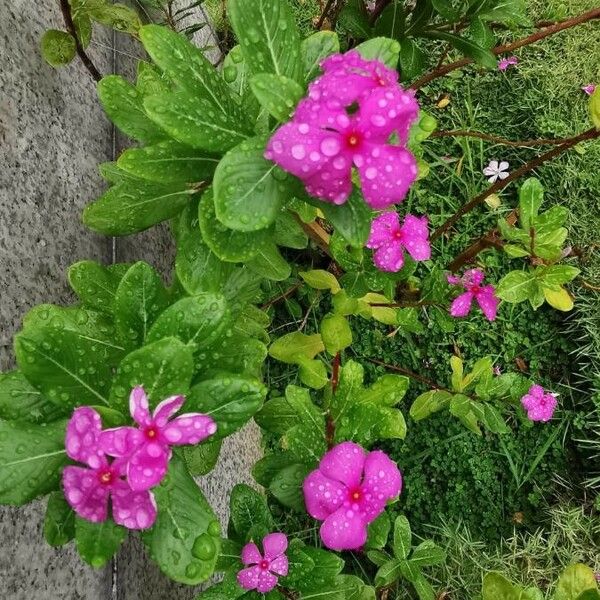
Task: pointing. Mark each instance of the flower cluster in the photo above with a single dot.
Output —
(485, 295)
(539, 404)
(346, 121)
(349, 490)
(141, 457)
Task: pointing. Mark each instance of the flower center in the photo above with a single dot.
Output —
(355, 495)
(151, 432)
(106, 477)
(264, 564)
(475, 289)
(353, 140)
(398, 235)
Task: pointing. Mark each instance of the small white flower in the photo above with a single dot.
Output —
(495, 171)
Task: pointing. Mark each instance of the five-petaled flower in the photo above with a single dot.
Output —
(146, 449)
(347, 120)
(348, 491)
(539, 404)
(485, 295)
(263, 570)
(589, 89)
(88, 490)
(389, 239)
(496, 170)
(505, 63)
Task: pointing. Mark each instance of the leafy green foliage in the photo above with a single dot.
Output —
(58, 47)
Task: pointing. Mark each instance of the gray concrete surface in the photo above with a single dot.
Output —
(53, 134)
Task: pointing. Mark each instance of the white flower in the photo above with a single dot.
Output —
(495, 171)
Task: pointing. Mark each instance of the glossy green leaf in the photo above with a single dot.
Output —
(497, 587)
(402, 537)
(388, 573)
(118, 16)
(270, 264)
(378, 532)
(247, 509)
(97, 543)
(150, 79)
(312, 373)
(335, 333)
(392, 21)
(321, 280)
(531, 196)
(428, 403)
(202, 458)
(59, 521)
(58, 47)
(316, 48)
(559, 299)
(352, 220)
(515, 287)
(594, 107)
(288, 232)
(276, 416)
(412, 59)
(354, 18)
(286, 486)
(382, 49)
(289, 347)
(427, 553)
(277, 94)
(236, 354)
(481, 33)
(468, 47)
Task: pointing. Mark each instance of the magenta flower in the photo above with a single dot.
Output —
(589, 89)
(505, 63)
(347, 120)
(539, 404)
(389, 240)
(88, 490)
(262, 570)
(485, 295)
(146, 449)
(348, 491)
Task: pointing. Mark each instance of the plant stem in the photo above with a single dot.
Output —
(501, 184)
(380, 6)
(500, 140)
(329, 422)
(415, 304)
(545, 32)
(332, 8)
(281, 297)
(85, 59)
(316, 233)
(409, 373)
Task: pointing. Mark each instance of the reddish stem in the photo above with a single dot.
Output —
(500, 140)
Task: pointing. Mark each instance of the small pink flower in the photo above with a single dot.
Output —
(389, 240)
(346, 121)
(263, 570)
(88, 490)
(505, 63)
(146, 449)
(589, 89)
(496, 170)
(485, 295)
(539, 404)
(497, 370)
(348, 491)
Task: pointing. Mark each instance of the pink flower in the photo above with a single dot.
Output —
(496, 170)
(589, 89)
(348, 491)
(262, 569)
(539, 404)
(505, 63)
(88, 490)
(146, 450)
(347, 120)
(389, 240)
(485, 295)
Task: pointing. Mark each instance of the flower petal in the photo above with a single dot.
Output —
(81, 440)
(134, 510)
(503, 165)
(382, 482)
(473, 277)
(415, 237)
(138, 406)
(274, 545)
(503, 175)
(166, 409)
(493, 166)
(322, 495)
(488, 302)
(389, 257)
(85, 494)
(383, 228)
(345, 529)
(251, 554)
(189, 428)
(344, 463)
(248, 578)
(322, 115)
(280, 565)
(121, 441)
(386, 173)
(461, 305)
(266, 582)
(147, 466)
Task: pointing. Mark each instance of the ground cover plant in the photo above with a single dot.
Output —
(358, 270)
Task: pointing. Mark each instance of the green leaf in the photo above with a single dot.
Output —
(168, 162)
(594, 108)
(288, 348)
(349, 387)
(231, 400)
(392, 22)
(335, 333)
(402, 537)
(129, 207)
(516, 287)
(198, 321)
(20, 401)
(531, 196)
(31, 459)
(382, 49)
(511, 12)
(552, 219)
(428, 403)
(185, 540)
(306, 442)
(456, 364)
(354, 19)
(268, 36)
(288, 232)
(427, 553)
(97, 543)
(482, 34)
(559, 299)
(150, 79)
(123, 103)
(423, 587)
(316, 48)
(300, 564)
(118, 16)
(164, 368)
(269, 263)
(327, 565)
(82, 21)
(352, 220)
(247, 509)
(469, 48)
(279, 95)
(388, 390)
(312, 373)
(388, 573)
(58, 47)
(194, 121)
(497, 587)
(249, 190)
(235, 72)
(286, 486)
(559, 274)
(59, 522)
(412, 59)
(276, 416)
(267, 467)
(319, 279)
(378, 532)
(140, 298)
(236, 354)
(201, 458)
(228, 589)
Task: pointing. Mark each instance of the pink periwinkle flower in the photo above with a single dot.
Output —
(485, 295)
(589, 89)
(389, 239)
(146, 449)
(88, 490)
(263, 570)
(348, 491)
(539, 404)
(347, 120)
(505, 63)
